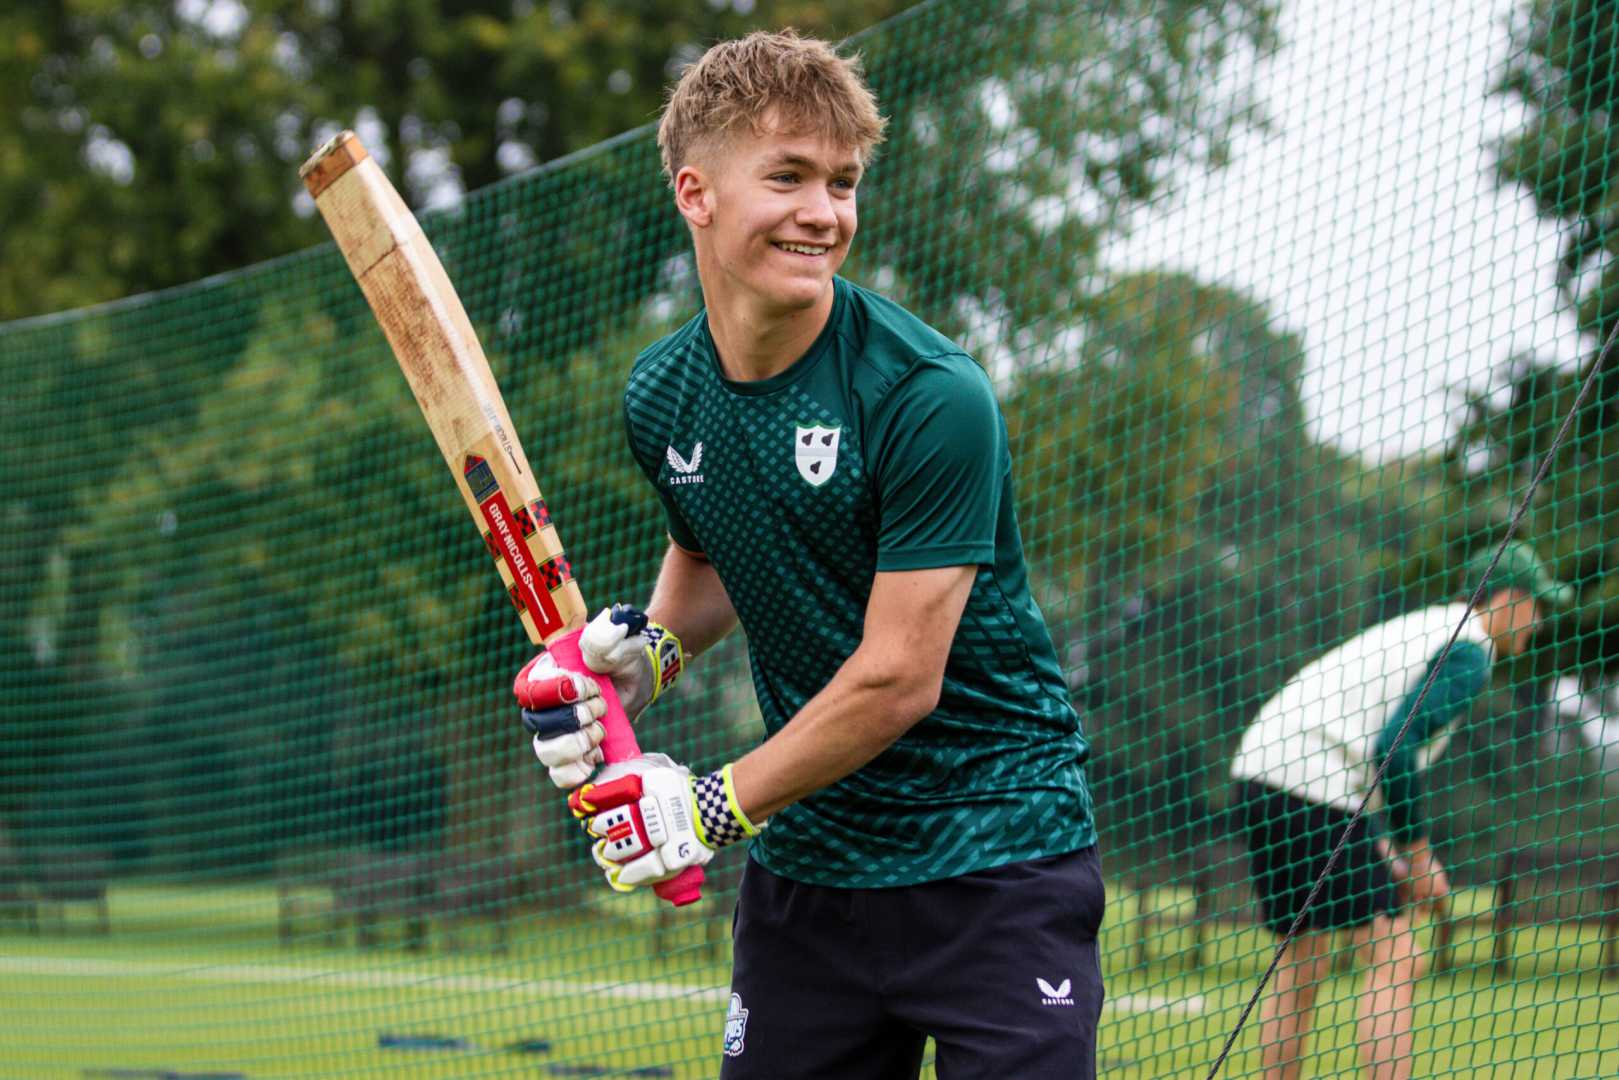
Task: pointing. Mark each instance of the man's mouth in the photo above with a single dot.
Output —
(801, 249)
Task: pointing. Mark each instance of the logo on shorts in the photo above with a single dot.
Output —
(736, 1026)
(1055, 995)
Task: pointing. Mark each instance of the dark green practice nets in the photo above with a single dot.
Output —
(1283, 311)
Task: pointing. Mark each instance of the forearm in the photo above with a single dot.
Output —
(1417, 852)
(1454, 686)
(858, 715)
(1403, 796)
(690, 600)
(1425, 875)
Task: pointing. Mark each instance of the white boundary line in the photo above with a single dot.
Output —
(318, 978)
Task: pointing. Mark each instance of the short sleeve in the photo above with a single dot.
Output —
(676, 525)
(937, 452)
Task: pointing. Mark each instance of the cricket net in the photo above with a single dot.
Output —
(1283, 308)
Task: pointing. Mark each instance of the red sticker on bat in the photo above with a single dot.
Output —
(508, 538)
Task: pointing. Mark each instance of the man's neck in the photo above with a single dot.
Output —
(754, 344)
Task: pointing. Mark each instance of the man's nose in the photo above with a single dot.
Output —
(815, 210)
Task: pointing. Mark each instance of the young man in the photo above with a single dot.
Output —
(1305, 765)
(835, 477)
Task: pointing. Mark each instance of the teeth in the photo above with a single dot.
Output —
(803, 249)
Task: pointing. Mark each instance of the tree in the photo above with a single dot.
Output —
(1193, 546)
(1026, 136)
(144, 150)
(148, 144)
(1566, 156)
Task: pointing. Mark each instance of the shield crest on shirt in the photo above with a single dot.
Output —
(815, 452)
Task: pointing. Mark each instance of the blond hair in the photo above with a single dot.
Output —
(800, 83)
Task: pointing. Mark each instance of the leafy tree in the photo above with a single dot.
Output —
(1566, 159)
(143, 150)
(1194, 547)
(1028, 133)
(149, 144)
(1566, 156)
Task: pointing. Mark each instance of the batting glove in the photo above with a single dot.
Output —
(562, 710)
(642, 657)
(653, 818)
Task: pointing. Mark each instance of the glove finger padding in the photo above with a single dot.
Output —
(581, 745)
(562, 710)
(571, 774)
(653, 819)
(544, 685)
(642, 814)
(565, 719)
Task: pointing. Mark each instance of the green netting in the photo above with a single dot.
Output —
(1279, 337)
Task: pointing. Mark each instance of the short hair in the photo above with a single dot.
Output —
(802, 81)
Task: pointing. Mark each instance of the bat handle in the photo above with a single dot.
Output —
(618, 744)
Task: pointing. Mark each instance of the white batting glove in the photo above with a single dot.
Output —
(642, 657)
(562, 709)
(652, 819)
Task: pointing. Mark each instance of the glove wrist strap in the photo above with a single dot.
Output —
(664, 653)
(720, 819)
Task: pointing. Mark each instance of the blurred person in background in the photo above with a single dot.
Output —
(1306, 763)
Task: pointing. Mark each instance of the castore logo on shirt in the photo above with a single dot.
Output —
(685, 472)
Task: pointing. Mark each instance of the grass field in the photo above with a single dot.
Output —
(192, 981)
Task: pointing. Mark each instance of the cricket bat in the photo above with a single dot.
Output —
(433, 340)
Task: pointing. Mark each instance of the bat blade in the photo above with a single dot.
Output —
(434, 342)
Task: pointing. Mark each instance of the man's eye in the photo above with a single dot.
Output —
(784, 178)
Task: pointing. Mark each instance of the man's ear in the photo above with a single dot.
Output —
(694, 197)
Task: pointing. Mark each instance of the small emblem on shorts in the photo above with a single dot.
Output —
(815, 452)
(736, 1026)
(1055, 995)
(685, 472)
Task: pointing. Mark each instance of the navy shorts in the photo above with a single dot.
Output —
(1289, 842)
(999, 966)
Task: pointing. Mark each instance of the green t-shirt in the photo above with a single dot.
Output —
(882, 448)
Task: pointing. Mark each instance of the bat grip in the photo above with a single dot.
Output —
(618, 744)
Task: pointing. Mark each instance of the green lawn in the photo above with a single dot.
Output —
(192, 980)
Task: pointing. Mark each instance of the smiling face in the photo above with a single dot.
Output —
(772, 216)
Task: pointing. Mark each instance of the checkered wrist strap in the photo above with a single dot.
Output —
(663, 650)
(720, 820)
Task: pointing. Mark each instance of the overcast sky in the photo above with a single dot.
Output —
(1368, 220)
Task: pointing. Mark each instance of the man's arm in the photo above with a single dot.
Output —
(936, 449)
(1457, 683)
(690, 600)
(891, 681)
(657, 818)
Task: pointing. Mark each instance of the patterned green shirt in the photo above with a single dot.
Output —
(882, 448)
